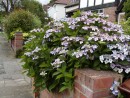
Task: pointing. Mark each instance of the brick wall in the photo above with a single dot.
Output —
(111, 12)
(47, 94)
(88, 84)
(94, 84)
(17, 42)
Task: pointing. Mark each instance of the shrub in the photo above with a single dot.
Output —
(126, 9)
(126, 26)
(21, 19)
(86, 41)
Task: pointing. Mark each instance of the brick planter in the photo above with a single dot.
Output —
(17, 42)
(88, 84)
(94, 84)
(47, 94)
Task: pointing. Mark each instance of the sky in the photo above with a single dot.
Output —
(44, 1)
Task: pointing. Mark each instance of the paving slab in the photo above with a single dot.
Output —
(13, 84)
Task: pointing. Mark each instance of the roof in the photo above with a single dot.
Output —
(72, 4)
(63, 1)
(45, 7)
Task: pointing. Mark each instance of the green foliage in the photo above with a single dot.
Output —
(52, 56)
(126, 26)
(77, 14)
(126, 9)
(21, 19)
(25, 35)
(36, 8)
(19, 53)
(120, 96)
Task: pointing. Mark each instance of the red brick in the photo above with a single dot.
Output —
(77, 86)
(102, 94)
(18, 42)
(83, 89)
(89, 82)
(47, 94)
(97, 83)
(76, 93)
(82, 96)
(102, 83)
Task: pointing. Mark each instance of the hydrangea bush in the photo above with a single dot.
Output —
(86, 41)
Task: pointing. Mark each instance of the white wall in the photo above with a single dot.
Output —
(72, 8)
(57, 11)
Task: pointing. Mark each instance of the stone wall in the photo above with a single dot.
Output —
(88, 84)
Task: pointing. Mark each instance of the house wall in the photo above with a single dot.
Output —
(111, 12)
(73, 8)
(121, 17)
(51, 12)
(57, 11)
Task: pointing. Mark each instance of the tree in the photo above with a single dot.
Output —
(126, 9)
(21, 19)
(52, 1)
(32, 6)
(9, 5)
(36, 8)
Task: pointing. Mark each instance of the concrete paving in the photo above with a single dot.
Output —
(13, 84)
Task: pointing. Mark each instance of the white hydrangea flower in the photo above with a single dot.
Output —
(43, 73)
(127, 70)
(37, 49)
(101, 58)
(120, 70)
(57, 63)
(28, 54)
(35, 57)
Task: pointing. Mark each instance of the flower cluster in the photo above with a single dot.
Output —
(50, 32)
(32, 53)
(59, 50)
(119, 51)
(87, 40)
(30, 39)
(43, 73)
(37, 30)
(85, 49)
(57, 63)
(103, 37)
(114, 88)
(120, 69)
(67, 40)
(93, 28)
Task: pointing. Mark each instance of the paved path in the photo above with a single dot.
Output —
(13, 84)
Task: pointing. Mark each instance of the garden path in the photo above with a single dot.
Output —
(13, 84)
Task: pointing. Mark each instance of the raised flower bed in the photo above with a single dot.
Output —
(17, 41)
(85, 41)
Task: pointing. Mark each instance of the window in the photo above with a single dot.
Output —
(98, 2)
(83, 3)
(109, 1)
(98, 11)
(91, 3)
